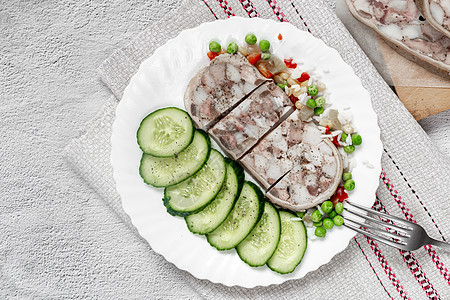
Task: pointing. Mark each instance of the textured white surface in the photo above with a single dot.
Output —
(59, 238)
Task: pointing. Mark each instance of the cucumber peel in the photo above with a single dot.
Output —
(197, 191)
(209, 218)
(241, 220)
(167, 171)
(165, 132)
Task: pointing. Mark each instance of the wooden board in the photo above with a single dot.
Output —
(422, 92)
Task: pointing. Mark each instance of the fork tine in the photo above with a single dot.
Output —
(376, 237)
(371, 219)
(379, 230)
(386, 216)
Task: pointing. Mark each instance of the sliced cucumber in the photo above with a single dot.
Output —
(261, 243)
(292, 245)
(165, 132)
(194, 193)
(209, 218)
(241, 220)
(166, 171)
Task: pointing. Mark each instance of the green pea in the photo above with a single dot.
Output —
(349, 149)
(320, 101)
(320, 232)
(312, 90)
(265, 55)
(356, 139)
(311, 103)
(344, 137)
(301, 214)
(214, 46)
(332, 214)
(328, 223)
(339, 208)
(318, 110)
(338, 220)
(327, 206)
(346, 176)
(232, 48)
(349, 185)
(251, 39)
(282, 85)
(264, 45)
(316, 216)
(317, 224)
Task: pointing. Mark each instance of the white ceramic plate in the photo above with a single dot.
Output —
(161, 81)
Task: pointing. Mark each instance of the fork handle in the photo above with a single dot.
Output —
(439, 243)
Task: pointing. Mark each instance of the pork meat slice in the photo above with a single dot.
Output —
(219, 87)
(268, 161)
(437, 13)
(248, 122)
(297, 167)
(316, 167)
(400, 23)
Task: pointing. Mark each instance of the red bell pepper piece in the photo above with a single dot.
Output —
(288, 62)
(293, 99)
(252, 59)
(263, 70)
(340, 192)
(335, 141)
(305, 76)
(212, 55)
(334, 199)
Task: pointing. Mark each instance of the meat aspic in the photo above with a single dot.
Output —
(297, 167)
(399, 22)
(257, 124)
(269, 160)
(238, 131)
(437, 13)
(219, 87)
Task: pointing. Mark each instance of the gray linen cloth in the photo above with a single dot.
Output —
(414, 183)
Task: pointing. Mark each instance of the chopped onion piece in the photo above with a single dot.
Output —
(284, 75)
(243, 50)
(333, 116)
(306, 113)
(253, 49)
(347, 128)
(278, 79)
(291, 81)
(325, 122)
(276, 65)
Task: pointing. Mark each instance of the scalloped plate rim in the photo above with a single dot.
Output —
(116, 128)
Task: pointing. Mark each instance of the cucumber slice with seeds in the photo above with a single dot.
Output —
(216, 212)
(196, 192)
(165, 132)
(292, 245)
(241, 220)
(261, 243)
(166, 171)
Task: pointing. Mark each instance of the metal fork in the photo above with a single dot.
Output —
(394, 231)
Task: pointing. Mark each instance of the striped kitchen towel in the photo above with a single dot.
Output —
(414, 183)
